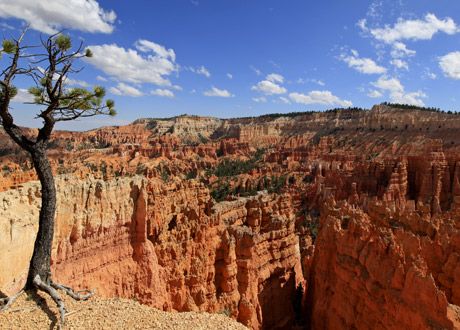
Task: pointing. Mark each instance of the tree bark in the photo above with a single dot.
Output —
(61, 105)
(40, 263)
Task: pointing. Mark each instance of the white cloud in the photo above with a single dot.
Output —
(130, 66)
(363, 65)
(201, 71)
(6, 26)
(125, 90)
(400, 64)
(388, 84)
(269, 88)
(149, 46)
(276, 65)
(397, 93)
(23, 96)
(177, 87)
(409, 98)
(259, 99)
(100, 78)
(218, 92)
(54, 15)
(162, 93)
(204, 72)
(229, 76)
(73, 82)
(196, 3)
(285, 100)
(257, 71)
(274, 77)
(431, 75)
(316, 81)
(319, 97)
(400, 50)
(68, 82)
(450, 65)
(415, 29)
(362, 24)
(374, 94)
(375, 9)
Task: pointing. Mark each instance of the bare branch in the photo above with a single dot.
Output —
(6, 118)
(23, 33)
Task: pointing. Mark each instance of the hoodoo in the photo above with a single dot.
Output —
(342, 219)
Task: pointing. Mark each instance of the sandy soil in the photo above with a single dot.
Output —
(38, 311)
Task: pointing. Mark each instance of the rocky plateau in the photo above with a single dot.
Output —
(345, 219)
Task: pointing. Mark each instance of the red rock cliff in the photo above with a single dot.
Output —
(167, 245)
(382, 185)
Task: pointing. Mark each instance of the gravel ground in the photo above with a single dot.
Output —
(38, 311)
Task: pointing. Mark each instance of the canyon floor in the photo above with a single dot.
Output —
(344, 219)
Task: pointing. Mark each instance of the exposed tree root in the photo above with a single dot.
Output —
(51, 290)
(6, 302)
(71, 293)
(53, 293)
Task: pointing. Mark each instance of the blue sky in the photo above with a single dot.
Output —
(250, 57)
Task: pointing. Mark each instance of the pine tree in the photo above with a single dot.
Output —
(56, 103)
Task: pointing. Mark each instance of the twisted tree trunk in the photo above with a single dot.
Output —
(41, 259)
(60, 104)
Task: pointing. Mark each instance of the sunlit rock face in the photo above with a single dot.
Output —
(360, 210)
(169, 246)
(375, 271)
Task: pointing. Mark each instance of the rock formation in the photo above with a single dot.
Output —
(169, 246)
(379, 275)
(360, 210)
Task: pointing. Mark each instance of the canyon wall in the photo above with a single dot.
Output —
(169, 246)
(374, 271)
(360, 210)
